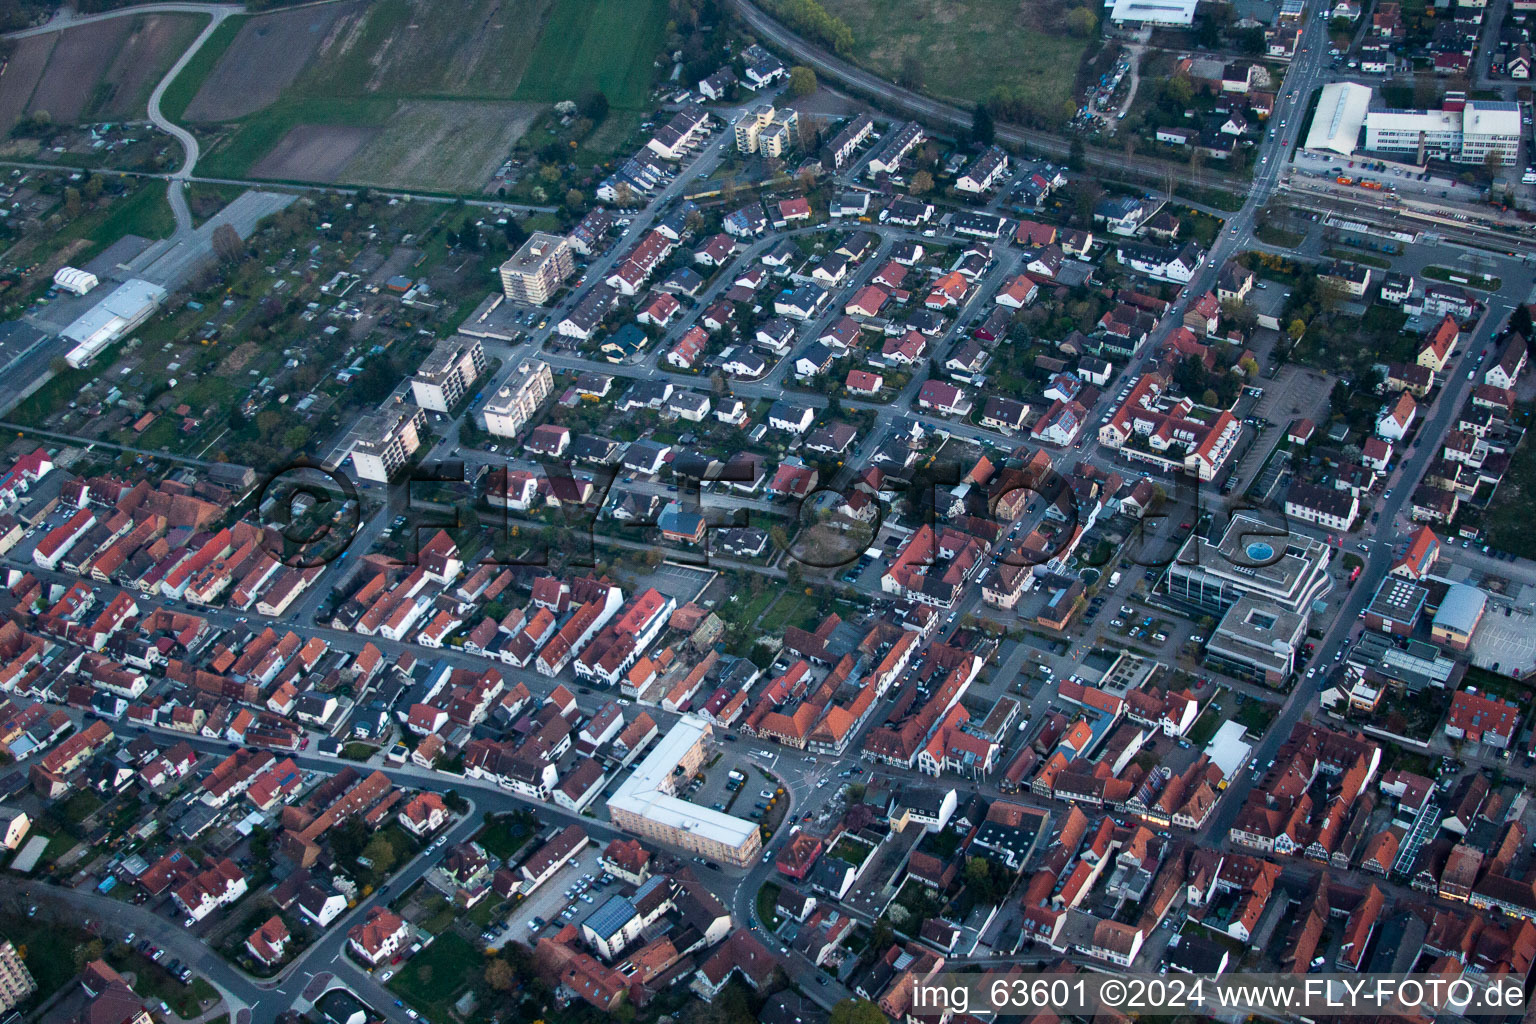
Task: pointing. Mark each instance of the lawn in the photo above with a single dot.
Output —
(48, 950)
(1255, 716)
(505, 836)
(1356, 256)
(1482, 282)
(969, 50)
(850, 850)
(431, 979)
(233, 156)
(792, 609)
(767, 904)
(1202, 731)
(1280, 236)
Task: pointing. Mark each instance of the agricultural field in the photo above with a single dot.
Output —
(441, 145)
(103, 71)
(246, 65)
(968, 50)
(420, 94)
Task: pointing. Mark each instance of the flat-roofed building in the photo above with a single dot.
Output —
(537, 270)
(386, 440)
(1250, 557)
(509, 410)
(1465, 136)
(446, 374)
(1257, 640)
(646, 803)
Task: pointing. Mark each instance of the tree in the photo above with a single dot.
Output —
(856, 1011)
(594, 106)
(912, 72)
(227, 244)
(574, 199)
(982, 129)
(922, 182)
(1082, 22)
(1076, 155)
(1179, 90)
(802, 81)
(499, 975)
(1296, 329)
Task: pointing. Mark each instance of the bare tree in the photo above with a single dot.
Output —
(227, 245)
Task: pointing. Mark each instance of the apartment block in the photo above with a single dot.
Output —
(444, 376)
(16, 982)
(386, 440)
(537, 270)
(515, 402)
(766, 130)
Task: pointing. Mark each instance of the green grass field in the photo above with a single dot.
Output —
(610, 48)
(967, 49)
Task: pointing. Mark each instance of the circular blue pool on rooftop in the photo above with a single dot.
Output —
(1260, 551)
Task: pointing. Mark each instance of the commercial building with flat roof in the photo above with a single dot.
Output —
(1257, 640)
(1251, 557)
(1153, 12)
(537, 270)
(646, 803)
(508, 411)
(446, 374)
(1464, 136)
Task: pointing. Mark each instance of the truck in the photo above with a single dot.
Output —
(1114, 579)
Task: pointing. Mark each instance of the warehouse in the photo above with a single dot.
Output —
(128, 306)
(1341, 111)
(73, 279)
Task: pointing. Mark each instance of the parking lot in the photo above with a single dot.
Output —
(548, 901)
(1505, 638)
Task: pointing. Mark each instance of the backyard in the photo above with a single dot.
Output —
(434, 977)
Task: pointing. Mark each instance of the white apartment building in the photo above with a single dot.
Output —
(766, 130)
(386, 439)
(537, 270)
(515, 402)
(447, 373)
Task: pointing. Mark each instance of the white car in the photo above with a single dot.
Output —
(386, 976)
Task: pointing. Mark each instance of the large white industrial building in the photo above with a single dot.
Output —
(128, 306)
(73, 279)
(1152, 12)
(1341, 112)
